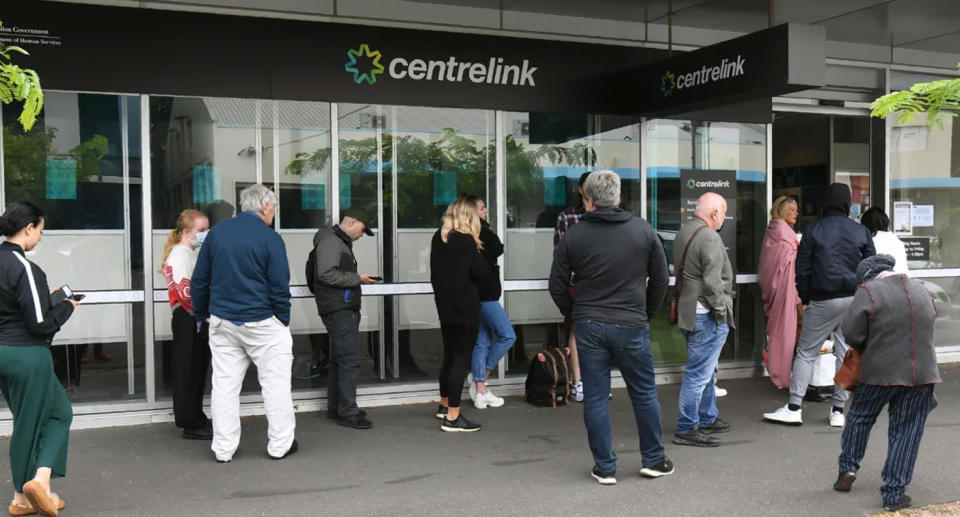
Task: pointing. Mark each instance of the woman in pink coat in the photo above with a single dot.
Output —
(777, 276)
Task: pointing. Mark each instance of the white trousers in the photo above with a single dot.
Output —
(269, 345)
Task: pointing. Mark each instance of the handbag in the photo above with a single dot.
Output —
(677, 285)
(849, 373)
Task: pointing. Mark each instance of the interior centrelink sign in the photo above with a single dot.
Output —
(779, 60)
(494, 72)
(122, 49)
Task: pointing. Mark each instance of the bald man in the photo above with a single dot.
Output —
(705, 315)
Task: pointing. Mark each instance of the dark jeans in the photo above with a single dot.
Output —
(909, 406)
(190, 359)
(343, 327)
(598, 344)
(458, 343)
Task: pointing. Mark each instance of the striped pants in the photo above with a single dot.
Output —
(909, 406)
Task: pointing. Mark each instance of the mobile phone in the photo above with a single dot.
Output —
(377, 278)
(77, 297)
(67, 292)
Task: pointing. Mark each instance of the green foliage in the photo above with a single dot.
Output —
(938, 99)
(21, 85)
(419, 161)
(25, 156)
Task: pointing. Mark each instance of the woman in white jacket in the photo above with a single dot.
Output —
(885, 242)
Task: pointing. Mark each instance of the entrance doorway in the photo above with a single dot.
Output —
(813, 150)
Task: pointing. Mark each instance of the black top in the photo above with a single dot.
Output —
(492, 249)
(619, 265)
(457, 270)
(336, 283)
(27, 315)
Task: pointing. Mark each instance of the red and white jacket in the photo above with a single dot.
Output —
(177, 271)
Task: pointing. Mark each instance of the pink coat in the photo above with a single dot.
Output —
(777, 277)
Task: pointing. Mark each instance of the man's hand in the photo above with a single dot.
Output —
(367, 278)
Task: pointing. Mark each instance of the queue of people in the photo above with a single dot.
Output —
(230, 299)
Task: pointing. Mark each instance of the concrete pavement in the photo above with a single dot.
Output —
(525, 461)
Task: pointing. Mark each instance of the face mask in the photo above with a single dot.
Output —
(198, 240)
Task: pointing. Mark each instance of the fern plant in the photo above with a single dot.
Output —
(20, 84)
(939, 99)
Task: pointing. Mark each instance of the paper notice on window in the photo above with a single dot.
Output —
(923, 216)
(902, 217)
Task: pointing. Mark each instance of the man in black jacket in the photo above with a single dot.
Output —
(336, 289)
(827, 260)
(621, 278)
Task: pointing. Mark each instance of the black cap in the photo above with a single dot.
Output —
(360, 215)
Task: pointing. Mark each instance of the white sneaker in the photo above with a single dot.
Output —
(785, 416)
(837, 419)
(487, 399)
(473, 388)
(720, 392)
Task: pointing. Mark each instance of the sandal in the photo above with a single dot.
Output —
(42, 502)
(17, 509)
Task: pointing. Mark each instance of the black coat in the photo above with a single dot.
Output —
(457, 270)
(492, 249)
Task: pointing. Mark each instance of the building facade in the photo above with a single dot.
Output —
(152, 110)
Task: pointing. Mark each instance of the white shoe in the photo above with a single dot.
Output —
(487, 399)
(837, 419)
(785, 416)
(720, 392)
(473, 388)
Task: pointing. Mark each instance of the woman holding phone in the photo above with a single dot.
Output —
(29, 317)
(190, 355)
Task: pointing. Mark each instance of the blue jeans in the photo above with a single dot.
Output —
(494, 324)
(599, 344)
(698, 400)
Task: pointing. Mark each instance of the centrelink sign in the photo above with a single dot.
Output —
(366, 64)
(725, 69)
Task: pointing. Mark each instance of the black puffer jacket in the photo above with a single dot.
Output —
(831, 249)
(492, 249)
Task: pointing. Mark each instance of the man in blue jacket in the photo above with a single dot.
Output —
(827, 260)
(242, 285)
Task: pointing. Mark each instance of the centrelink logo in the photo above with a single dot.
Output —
(693, 183)
(726, 69)
(364, 64)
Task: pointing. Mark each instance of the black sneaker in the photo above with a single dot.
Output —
(294, 447)
(355, 421)
(664, 467)
(844, 481)
(604, 478)
(200, 433)
(333, 415)
(441, 411)
(718, 426)
(460, 425)
(904, 502)
(696, 438)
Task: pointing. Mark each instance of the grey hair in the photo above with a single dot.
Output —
(603, 189)
(253, 197)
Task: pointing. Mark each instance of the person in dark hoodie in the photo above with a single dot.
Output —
(496, 335)
(621, 278)
(827, 260)
(891, 321)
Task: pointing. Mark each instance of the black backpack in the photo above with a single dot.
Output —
(548, 383)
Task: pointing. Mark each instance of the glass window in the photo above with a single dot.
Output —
(925, 184)
(81, 164)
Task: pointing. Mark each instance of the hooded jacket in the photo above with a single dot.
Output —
(336, 283)
(620, 267)
(831, 249)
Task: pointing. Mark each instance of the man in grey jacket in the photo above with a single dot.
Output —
(705, 315)
(621, 277)
(336, 289)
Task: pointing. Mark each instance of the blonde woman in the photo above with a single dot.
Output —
(190, 355)
(457, 272)
(777, 278)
